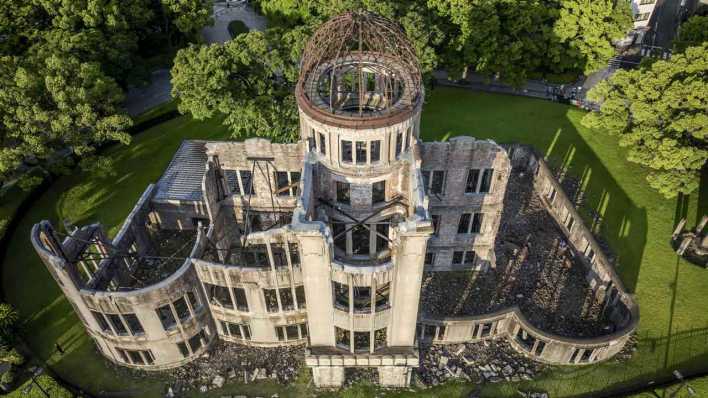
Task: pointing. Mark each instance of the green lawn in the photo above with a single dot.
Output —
(699, 386)
(637, 222)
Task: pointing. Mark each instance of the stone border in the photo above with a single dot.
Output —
(511, 323)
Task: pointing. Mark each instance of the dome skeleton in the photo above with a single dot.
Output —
(358, 65)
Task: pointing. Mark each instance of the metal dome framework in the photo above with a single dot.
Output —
(359, 66)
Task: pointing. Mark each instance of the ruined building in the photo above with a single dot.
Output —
(328, 241)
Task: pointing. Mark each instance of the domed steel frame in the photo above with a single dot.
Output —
(359, 70)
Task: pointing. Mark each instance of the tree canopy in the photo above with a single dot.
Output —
(693, 32)
(63, 68)
(659, 113)
(248, 80)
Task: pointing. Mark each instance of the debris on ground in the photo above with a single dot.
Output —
(536, 269)
(485, 361)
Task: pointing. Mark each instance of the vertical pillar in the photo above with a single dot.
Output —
(315, 264)
(407, 278)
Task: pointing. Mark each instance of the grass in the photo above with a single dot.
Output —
(699, 386)
(637, 222)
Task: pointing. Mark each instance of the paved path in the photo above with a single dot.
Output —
(219, 33)
(141, 99)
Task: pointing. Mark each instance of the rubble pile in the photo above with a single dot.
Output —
(233, 362)
(536, 270)
(486, 361)
(360, 376)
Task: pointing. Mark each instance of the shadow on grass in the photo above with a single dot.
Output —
(553, 130)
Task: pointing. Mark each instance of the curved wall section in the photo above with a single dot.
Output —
(511, 323)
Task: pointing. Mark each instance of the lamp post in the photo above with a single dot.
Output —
(35, 373)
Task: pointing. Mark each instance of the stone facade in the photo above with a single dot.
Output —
(323, 242)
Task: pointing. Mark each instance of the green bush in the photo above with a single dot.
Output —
(236, 27)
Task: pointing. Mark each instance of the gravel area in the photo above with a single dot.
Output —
(536, 270)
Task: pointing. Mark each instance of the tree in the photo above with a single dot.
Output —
(512, 39)
(586, 30)
(693, 32)
(189, 16)
(50, 105)
(423, 28)
(659, 114)
(248, 80)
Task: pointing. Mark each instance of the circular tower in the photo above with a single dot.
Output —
(360, 95)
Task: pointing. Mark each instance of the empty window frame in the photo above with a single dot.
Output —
(383, 294)
(240, 297)
(236, 330)
(286, 299)
(342, 338)
(219, 295)
(300, 297)
(378, 192)
(240, 182)
(197, 341)
(569, 222)
(136, 328)
(361, 240)
(255, 255)
(472, 181)
(429, 258)
(362, 341)
(382, 230)
(291, 332)
(399, 143)
(436, 224)
(525, 340)
(470, 223)
(436, 184)
(486, 329)
(166, 316)
(182, 309)
(486, 184)
(136, 357)
(294, 254)
(347, 156)
(280, 259)
(375, 151)
(311, 140)
(102, 323)
(585, 357)
(117, 324)
(362, 299)
(380, 338)
(343, 193)
(194, 301)
(458, 257)
(341, 295)
(271, 300)
(539, 347)
(323, 144)
(340, 237)
(287, 183)
(360, 152)
(183, 349)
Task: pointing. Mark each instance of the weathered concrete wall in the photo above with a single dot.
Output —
(456, 158)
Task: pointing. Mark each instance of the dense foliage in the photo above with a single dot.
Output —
(64, 65)
(511, 40)
(659, 113)
(693, 32)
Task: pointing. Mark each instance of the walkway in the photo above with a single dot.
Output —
(141, 99)
(223, 14)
